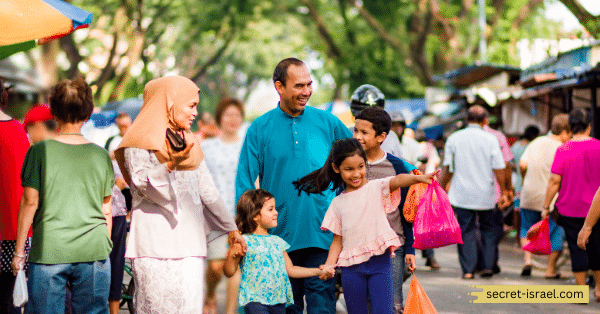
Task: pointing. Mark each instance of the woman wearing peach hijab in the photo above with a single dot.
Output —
(175, 201)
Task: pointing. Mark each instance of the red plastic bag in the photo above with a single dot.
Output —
(417, 301)
(539, 236)
(435, 225)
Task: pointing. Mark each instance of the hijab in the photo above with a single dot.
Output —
(164, 98)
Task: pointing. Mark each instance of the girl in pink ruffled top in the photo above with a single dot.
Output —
(357, 218)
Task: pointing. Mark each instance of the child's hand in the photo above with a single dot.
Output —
(411, 262)
(428, 178)
(235, 250)
(326, 272)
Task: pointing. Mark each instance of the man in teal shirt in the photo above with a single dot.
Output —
(282, 146)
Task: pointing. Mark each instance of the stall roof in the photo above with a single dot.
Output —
(24, 80)
(565, 65)
(468, 75)
(576, 79)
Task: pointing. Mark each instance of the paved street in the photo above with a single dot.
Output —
(450, 294)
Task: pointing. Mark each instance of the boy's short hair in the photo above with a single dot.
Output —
(378, 117)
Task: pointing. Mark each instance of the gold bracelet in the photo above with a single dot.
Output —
(19, 255)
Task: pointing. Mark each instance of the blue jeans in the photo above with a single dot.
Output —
(471, 221)
(90, 284)
(398, 276)
(259, 308)
(320, 294)
(370, 280)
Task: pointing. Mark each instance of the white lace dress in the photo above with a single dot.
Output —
(171, 215)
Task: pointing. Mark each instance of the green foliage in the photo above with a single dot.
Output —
(229, 46)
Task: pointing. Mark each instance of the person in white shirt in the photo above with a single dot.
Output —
(472, 160)
(408, 145)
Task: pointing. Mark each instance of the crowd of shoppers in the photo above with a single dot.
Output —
(68, 199)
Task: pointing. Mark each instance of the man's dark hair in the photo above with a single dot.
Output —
(71, 101)
(579, 120)
(280, 73)
(378, 117)
(477, 114)
(3, 95)
(531, 132)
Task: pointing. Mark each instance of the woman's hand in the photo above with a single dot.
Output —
(176, 158)
(17, 262)
(236, 237)
(545, 213)
(235, 250)
(583, 237)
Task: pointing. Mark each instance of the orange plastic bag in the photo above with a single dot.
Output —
(415, 192)
(417, 301)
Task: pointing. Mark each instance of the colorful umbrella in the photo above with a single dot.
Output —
(22, 22)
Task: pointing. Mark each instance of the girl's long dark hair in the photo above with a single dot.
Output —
(248, 207)
(321, 179)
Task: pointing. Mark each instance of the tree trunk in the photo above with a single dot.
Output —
(133, 54)
(589, 21)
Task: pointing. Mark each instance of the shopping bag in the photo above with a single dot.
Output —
(20, 292)
(435, 224)
(417, 301)
(539, 236)
(413, 198)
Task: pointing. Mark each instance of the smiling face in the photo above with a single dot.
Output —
(353, 171)
(267, 218)
(365, 134)
(185, 115)
(297, 90)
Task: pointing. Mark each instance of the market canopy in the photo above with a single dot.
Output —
(23, 22)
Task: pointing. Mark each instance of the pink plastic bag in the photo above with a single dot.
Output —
(539, 236)
(435, 225)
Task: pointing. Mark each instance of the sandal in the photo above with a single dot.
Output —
(526, 272)
(468, 276)
(557, 276)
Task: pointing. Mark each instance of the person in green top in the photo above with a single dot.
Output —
(67, 182)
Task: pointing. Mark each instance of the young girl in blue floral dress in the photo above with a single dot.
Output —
(265, 286)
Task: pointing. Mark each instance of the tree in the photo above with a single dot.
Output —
(588, 20)
(400, 46)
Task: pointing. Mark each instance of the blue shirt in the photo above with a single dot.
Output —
(280, 149)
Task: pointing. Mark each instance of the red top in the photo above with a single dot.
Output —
(13, 147)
